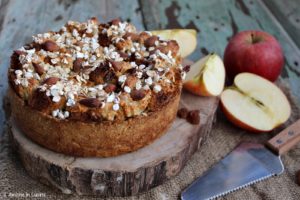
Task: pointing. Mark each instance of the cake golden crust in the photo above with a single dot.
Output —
(95, 89)
(87, 139)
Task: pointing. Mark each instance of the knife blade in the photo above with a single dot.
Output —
(247, 164)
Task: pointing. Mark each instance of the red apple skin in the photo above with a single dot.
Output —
(238, 122)
(196, 88)
(256, 52)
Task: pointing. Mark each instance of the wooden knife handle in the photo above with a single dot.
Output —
(286, 139)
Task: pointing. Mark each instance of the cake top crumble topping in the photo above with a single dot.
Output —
(108, 70)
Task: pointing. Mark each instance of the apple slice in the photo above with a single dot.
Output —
(186, 38)
(206, 77)
(255, 104)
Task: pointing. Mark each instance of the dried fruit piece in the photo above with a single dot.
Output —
(187, 68)
(91, 102)
(109, 77)
(298, 177)
(131, 71)
(103, 40)
(137, 95)
(50, 45)
(19, 52)
(51, 80)
(182, 113)
(38, 68)
(193, 117)
(77, 64)
(39, 100)
(14, 61)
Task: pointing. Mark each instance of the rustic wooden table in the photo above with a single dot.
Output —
(216, 21)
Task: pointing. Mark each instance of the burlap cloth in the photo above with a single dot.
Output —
(224, 137)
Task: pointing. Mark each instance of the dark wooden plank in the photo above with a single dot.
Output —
(288, 14)
(19, 20)
(216, 22)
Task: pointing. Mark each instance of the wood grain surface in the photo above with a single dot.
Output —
(286, 139)
(217, 21)
(124, 175)
(288, 14)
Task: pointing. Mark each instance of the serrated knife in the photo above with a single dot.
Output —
(248, 163)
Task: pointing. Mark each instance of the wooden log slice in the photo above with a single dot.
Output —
(124, 175)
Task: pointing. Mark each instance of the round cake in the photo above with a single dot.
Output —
(95, 89)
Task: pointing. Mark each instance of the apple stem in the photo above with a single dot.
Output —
(255, 39)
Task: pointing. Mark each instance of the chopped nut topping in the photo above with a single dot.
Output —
(50, 46)
(94, 65)
(38, 68)
(51, 80)
(90, 102)
(151, 41)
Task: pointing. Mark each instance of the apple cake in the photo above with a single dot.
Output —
(95, 89)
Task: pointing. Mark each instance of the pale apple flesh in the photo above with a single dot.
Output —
(186, 39)
(206, 77)
(255, 104)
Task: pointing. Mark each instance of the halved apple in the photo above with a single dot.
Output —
(255, 104)
(186, 38)
(206, 77)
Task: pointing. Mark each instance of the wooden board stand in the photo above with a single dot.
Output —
(124, 175)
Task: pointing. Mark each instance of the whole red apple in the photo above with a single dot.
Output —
(256, 52)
